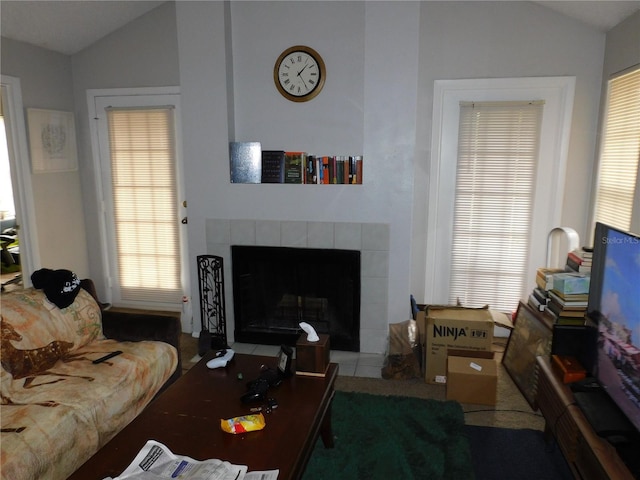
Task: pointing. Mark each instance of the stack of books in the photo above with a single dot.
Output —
(539, 298)
(567, 309)
(562, 294)
(580, 260)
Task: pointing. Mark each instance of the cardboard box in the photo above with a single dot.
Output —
(421, 322)
(458, 328)
(472, 377)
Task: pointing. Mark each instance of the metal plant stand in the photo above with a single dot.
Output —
(212, 303)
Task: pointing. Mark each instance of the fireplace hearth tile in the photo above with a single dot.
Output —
(268, 233)
(267, 350)
(320, 235)
(293, 234)
(375, 236)
(374, 290)
(243, 232)
(367, 371)
(348, 236)
(371, 360)
(375, 263)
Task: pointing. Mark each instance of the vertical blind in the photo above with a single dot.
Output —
(496, 171)
(143, 171)
(620, 152)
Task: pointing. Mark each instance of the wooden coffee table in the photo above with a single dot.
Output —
(186, 418)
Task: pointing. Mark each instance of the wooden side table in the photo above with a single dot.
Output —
(588, 455)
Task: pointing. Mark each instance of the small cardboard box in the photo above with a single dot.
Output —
(312, 358)
(569, 368)
(472, 377)
(453, 328)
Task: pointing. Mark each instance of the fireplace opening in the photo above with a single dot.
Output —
(276, 288)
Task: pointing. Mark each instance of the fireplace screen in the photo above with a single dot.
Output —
(276, 288)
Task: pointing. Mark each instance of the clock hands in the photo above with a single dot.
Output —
(302, 78)
(305, 66)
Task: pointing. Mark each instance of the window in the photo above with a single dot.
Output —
(496, 171)
(143, 167)
(616, 194)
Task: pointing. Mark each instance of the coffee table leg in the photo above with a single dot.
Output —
(326, 431)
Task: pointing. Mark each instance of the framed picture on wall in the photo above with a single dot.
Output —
(529, 339)
(52, 141)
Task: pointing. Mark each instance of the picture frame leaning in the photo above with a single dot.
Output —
(52, 141)
(530, 338)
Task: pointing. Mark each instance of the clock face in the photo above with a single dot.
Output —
(299, 73)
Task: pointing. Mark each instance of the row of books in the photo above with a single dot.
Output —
(250, 164)
(562, 294)
(301, 167)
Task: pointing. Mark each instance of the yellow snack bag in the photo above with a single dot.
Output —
(246, 423)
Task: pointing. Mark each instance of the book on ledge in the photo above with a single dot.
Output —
(294, 167)
(272, 166)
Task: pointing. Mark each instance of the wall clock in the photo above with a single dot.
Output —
(299, 73)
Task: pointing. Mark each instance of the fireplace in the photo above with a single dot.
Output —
(276, 288)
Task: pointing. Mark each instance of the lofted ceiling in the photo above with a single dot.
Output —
(68, 26)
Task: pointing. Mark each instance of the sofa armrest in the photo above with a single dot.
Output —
(128, 326)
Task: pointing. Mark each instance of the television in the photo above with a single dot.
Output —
(614, 308)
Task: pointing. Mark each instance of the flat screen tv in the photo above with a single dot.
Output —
(614, 305)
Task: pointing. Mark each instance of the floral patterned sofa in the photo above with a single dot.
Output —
(58, 407)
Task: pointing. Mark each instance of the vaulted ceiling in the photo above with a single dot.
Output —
(70, 26)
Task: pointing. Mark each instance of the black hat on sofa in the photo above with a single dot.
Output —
(60, 286)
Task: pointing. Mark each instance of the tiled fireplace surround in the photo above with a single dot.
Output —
(371, 239)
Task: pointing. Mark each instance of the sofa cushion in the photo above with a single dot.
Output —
(37, 440)
(103, 398)
(35, 333)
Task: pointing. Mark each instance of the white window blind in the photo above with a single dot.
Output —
(496, 170)
(620, 153)
(143, 167)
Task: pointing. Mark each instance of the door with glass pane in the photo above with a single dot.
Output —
(141, 188)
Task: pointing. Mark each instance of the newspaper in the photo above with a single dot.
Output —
(155, 461)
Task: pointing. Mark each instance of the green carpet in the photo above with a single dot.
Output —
(389, 437)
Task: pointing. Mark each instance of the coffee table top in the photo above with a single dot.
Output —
(186, 418)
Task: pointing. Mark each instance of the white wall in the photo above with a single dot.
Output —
(382, 59)
(507, 39)
(45, 79)
(379, 88)
(144, 53)
(365, 107)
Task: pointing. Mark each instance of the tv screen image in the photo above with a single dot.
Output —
(614, 302)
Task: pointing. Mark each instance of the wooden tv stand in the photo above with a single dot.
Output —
(588, 455)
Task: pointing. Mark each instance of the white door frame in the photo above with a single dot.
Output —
(20, 162)
(95, 97)
(558, 94)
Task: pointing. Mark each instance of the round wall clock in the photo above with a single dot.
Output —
(299, 73)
